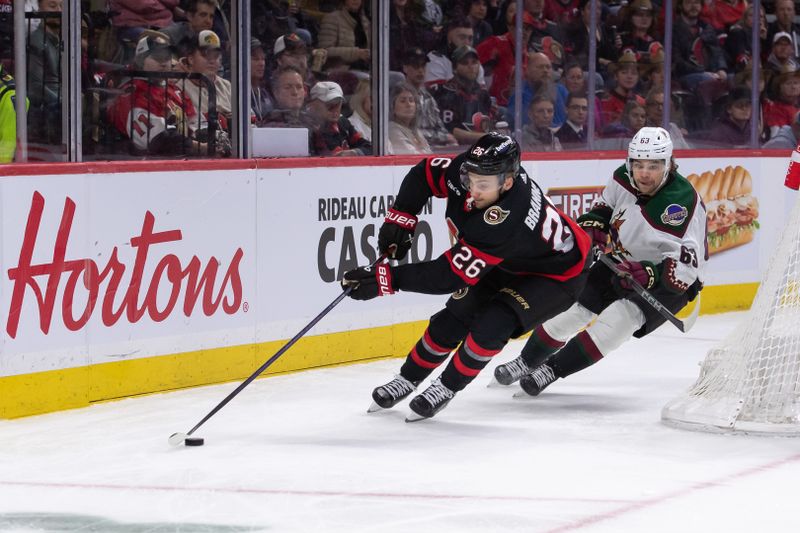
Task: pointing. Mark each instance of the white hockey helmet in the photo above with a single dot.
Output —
(650, 143)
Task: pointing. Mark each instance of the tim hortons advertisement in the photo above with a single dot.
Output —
(98, 268)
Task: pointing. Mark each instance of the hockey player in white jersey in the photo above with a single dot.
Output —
(652, 222)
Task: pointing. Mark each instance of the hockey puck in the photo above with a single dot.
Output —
(194, 441)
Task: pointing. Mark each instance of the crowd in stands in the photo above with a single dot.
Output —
(159, 75)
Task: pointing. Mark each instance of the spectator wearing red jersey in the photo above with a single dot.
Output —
(722, 14)
(626, 76)
(497, 53)
(781, 108)
(562, 12)
(638, 26)
(738, 44)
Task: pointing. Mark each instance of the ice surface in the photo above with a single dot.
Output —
(298, 453)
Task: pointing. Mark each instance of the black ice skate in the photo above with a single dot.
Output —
(389, 395)
(511, 372)
(538, 380)
(431, 401)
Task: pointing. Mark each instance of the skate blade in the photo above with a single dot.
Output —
(414, 417)
(494, 384)
(374, 407)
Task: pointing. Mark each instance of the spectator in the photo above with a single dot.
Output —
(781, 57)
(651, 69)
(654, 106)
(572, 134)
(732, 129)
(476, 14)
(573, 79)
(577, 40)
(782, 107)
(132, 17)
(537, 135)
(626, 76)
(632, 119)
(289, 94)
(332, 133)
(562, 12)
(785, 22)
(786, 138)
(722, 14)
(404, 135)
(497, 54)
(539, 82)
(407, 31)
(462, 98)
(204, 56)
(8, 117)
(345, 34)
(638, 26)
(440, 67)
(542, 27)
(199, 17)
(260, 102)
(429, 118)
(361, 104)
(695, 62)
(272, 19)
(154, 114)
(738, 44)
(44, 75)
(291, 50)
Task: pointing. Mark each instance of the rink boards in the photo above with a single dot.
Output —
(134, 278)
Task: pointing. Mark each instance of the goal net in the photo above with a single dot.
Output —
(751, 381)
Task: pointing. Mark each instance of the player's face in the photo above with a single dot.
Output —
(485, 190)
(647, 174)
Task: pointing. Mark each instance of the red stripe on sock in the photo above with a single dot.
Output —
(547, 340)
(464, 369)
(420, 361)
(475, 348)
(589, 347)
(437, 347)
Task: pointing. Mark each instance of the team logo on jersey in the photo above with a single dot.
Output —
(495, 215)
(674, 215)
(460, 293)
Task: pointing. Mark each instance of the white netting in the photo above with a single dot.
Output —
(751, 382)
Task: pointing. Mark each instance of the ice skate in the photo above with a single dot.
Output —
(431, 401)
(388, 395)
(538, 380)
(510, 372)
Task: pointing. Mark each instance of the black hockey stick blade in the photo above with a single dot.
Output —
(177, 438)
(647, 297)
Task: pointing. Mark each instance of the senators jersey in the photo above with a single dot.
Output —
(523, 233)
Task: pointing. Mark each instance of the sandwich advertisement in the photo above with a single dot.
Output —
(731, 209)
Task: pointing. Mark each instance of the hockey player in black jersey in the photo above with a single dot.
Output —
(516, 262)
(657, 224)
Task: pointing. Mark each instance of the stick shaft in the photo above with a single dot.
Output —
(642, 292)
(279, 353)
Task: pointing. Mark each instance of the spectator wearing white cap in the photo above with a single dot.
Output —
(291, 50)
(785, 15)
(781, 58)
(204, 56)
(199, 17)
(333, 134)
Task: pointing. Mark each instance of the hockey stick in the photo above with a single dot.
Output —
(683, 325)
(186, 438)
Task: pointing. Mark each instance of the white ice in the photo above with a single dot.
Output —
(298, 453)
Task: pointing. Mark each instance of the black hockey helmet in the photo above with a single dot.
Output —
(492, 154)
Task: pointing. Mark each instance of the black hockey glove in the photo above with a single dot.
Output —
(369, 282)
(644, 272)
(596, 227)
(396, 234)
